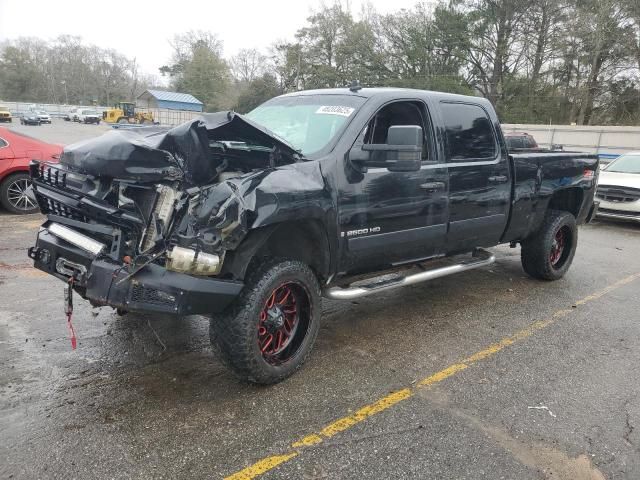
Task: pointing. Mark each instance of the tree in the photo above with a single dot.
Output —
(248, 64)
(257, 91)
(65, 69)
(199, 69)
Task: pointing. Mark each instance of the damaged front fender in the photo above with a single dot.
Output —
(227, 211)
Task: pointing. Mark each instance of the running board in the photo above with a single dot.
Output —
(480, 258)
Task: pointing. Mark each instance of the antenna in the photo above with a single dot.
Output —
(355, 86)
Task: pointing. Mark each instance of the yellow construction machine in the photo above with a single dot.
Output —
(125, 112)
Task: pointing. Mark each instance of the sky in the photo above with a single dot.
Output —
(141, 29)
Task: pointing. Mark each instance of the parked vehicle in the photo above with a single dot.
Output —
(250, 219)
(519, 140)
(125, 112)
(89, 116)
(30, 118)
(619, 189)
(16, 151)
(524, 142)
(70, 114)
(43, 116)
(5, 114)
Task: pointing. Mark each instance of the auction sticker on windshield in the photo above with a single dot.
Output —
(336, 110)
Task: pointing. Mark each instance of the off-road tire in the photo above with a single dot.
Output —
(536, 252)
(234, 333)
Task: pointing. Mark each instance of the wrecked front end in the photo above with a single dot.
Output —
(142, 221)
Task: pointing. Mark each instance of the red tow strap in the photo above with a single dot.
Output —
(68, 310)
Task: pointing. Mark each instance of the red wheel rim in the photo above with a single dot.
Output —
(557, 248)
(283, 323)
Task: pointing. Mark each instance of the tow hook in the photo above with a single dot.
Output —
(68, 310)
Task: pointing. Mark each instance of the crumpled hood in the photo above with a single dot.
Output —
(150, 154)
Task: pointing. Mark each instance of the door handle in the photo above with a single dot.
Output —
(498, 179)
(432, 186)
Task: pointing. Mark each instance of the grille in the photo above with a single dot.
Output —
(140, 294)
(56, 178)
(49, 205)
(618, 194)
(50, 175)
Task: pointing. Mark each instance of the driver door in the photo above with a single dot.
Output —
(388, 218)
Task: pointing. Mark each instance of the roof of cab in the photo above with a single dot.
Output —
(367, 92)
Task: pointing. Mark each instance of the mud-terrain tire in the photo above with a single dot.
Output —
(280, 298)
(547, 255)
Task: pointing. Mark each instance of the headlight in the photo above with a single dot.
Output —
(186, 260)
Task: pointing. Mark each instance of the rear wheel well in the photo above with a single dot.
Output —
(305, 241)
(568, 200)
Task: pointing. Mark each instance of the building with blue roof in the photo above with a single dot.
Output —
(169, 100)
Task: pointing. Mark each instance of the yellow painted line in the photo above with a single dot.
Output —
(386, 402)
(365, 412)
(263, 466)
(442, 374)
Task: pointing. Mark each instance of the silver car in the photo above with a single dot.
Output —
(43, 116)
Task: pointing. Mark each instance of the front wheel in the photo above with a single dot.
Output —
(548, 254)
(269, 331)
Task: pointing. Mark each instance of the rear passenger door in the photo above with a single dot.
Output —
(479, 179)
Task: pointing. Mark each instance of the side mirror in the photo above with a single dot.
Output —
(401, 153)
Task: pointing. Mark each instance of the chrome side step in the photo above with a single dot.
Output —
(480, 258)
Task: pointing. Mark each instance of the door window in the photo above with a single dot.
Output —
(399, 113)
(469, 132)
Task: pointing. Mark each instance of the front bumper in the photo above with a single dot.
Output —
(626, 211)
(152, 289)
(619, 215)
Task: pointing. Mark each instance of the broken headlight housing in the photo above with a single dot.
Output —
(186, 260)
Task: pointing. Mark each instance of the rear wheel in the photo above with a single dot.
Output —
(548, 254)
(269, 331)
(16, 194)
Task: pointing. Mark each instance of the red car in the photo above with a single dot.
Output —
(16, 151)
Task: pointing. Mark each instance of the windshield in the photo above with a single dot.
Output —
(625, 164)
(89, 112)
(308, 122)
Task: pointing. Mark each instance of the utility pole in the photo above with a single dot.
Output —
(66, 95)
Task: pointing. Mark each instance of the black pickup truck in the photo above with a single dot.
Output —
(340, 192)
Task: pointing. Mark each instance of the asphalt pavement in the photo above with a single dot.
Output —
(487, 374)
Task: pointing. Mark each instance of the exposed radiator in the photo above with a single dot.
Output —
(163, 210)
